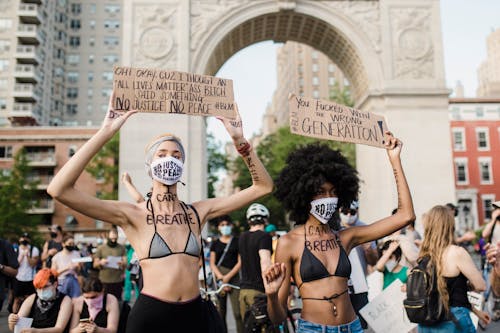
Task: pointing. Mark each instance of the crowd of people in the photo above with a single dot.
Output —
(325, 257)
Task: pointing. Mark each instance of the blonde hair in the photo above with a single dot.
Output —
(439, 229)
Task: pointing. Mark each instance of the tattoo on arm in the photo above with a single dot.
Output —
(397, 186)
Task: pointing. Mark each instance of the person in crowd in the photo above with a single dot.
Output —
(271, 230)
(225, 265)
(463, 237)
(455, 270)
(67, 269)
(111, 260)
(491, 234)
(53, 245)
(132, 274)
(95, 310)
(49, 308)
(8, 267)
(362, 257)
(314, 182)
(131, 189)
(163, 230)
(412, 234)
(28, 256)
(255, 247)
(409, 250)
(389, 263)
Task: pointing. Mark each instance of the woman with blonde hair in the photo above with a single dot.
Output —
(163, 230)
(454, 271)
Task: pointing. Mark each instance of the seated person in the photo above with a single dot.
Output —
(48, 307)
(95, 311)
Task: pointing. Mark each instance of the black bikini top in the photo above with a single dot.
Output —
(159, 248)
(312, 269)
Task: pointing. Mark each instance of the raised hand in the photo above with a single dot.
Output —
(392, 144)
(233, 126)
(273, 278)
(115, 119)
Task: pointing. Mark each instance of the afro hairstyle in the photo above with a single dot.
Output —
(308, 168)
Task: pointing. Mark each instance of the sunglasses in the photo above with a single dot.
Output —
(349, 211)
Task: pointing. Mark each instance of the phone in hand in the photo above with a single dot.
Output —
(85, 320)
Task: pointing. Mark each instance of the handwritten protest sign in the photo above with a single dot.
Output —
(386, 314)
(476, 300)
(165, 91)
(328, 120)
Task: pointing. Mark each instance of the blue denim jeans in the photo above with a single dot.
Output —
(464, 322)
(305, 326)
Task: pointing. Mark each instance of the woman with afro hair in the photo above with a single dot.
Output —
(314, 183)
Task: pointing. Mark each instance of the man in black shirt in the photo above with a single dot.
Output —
(255, 248)
(8, 266)
(225, 265)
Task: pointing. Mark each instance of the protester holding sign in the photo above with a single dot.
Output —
(454, 268)
(164, 231)
(315, 181)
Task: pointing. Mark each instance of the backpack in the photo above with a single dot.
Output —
(423, 303)
(256, 317)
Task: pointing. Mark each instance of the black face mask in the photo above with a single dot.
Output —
(70, 247)
(112, 243)
(53, 234)
(24, 242)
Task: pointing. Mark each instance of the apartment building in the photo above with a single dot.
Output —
(488, 73)
(56, 60)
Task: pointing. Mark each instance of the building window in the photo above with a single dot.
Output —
(315, 81)
(315, 94)
(485, 175)
(72, 92)
(106, 92)
(482, 138)
(73, 59)
(92, 8)
(315, 54)
(92, 41)
(487, 200)
(458, 138)
(5, 151)
(72, 77)
(4, 45)
(90, 76)
(3, 104)
(331, 81)
(4, 64)
(461, 171)
(315, 67)
(331, 68)
(76, 8)
(71, 108)
(111, 41)
(107, 76)
(3, 84)
(111, 24)
(5, 24)
(112, 9)
(92, 24)
(91, 58)
(110, 58)
(74, 41)
(75, 24)
(90, 92)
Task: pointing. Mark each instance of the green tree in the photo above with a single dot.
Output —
(341, 96)
(217, 162)
(273, 151)
(104, 166)
(17, 196)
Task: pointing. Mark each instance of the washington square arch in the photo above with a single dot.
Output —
(390, 50)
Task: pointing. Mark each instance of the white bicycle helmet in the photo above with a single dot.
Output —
(257, 209)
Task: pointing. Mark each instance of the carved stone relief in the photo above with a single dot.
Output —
(205, 13)
(366, 15)
(155, 36)
(413, 52)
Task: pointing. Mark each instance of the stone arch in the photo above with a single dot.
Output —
(307, 24)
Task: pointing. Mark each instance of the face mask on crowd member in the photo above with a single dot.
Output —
(391, 264)
(348, 216)
(45, 283)
(24, 239)
(323, 208)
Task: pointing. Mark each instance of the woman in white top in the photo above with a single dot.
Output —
(27, 256)
(67, 270)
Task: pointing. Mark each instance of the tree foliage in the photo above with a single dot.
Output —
(217, 162)
(17, 196)
(104, 166)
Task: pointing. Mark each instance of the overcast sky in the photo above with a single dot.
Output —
(465, 26)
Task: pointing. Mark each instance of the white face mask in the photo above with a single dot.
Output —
(166, 170)
(46, 294)
(323, 208)
(390, 264)
(348, 219)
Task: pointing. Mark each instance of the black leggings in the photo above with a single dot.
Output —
(150, 314)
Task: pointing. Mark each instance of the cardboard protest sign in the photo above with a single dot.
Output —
(165, 91)
(328, 120)
(385, 313)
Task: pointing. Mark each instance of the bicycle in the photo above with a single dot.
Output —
(212, 294)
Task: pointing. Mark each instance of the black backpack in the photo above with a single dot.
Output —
(423, 303)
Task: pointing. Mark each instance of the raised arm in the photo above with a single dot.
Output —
(405, 213)
(131, 189)
(262, 183)
(62, 186)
